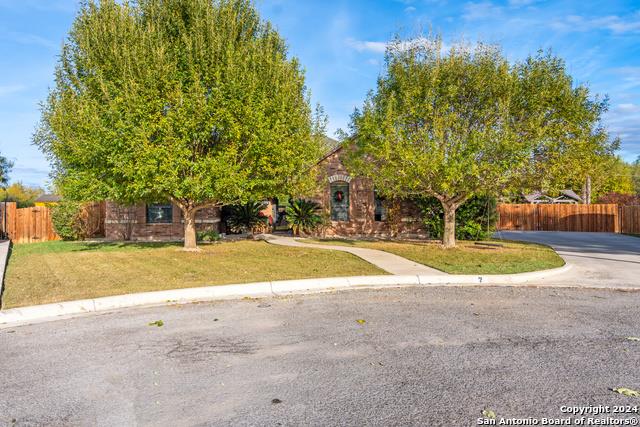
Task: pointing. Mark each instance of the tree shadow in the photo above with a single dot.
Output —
(101, 246)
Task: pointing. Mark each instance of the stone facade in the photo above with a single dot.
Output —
(395, 217)
(131, 223)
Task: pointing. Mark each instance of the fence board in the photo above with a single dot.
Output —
(559, 217)
(27, 225)
(630, 219)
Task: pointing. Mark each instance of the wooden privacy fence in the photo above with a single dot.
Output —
(630, 219)
(557, 217)
(27, 225)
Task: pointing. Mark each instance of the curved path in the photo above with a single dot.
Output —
(390, 263)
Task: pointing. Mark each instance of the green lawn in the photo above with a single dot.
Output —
(40, 273)
(467, 257)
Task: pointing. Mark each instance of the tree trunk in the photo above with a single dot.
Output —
(190, 241)
(588, 188)
(449, 233)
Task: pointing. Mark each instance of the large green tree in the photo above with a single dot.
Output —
(468, 122)
(24, 195)
(5, 168)
(635, 175)
(193, 101)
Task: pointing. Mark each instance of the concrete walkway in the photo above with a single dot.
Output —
(599, 259)
(390, 263)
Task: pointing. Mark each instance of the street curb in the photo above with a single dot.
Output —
(49, 312)
(5, 247)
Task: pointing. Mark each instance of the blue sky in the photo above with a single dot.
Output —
(341, 45)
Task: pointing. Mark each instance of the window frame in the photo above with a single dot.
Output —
(165, 207)
(380, 212)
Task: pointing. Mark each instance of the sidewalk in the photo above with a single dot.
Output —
(390, 263)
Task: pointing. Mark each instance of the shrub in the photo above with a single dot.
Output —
(620, 199)
(208, 236)
(247, 217)
(65, 217)
(304, 215)
(475, 219)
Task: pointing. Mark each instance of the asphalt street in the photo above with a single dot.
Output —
(405, 356)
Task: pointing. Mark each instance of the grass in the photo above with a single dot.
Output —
(40, 273)
(466, 257)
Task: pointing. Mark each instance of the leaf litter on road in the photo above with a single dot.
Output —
(488, 413)
(157, 323)
(626, 391)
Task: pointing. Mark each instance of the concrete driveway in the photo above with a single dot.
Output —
(598, 258)
(423, 357)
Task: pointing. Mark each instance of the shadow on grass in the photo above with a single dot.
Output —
(102, 246)
(62, 247)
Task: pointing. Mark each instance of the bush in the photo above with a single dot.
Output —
(475, 219)
(246, 218)
(208, 236)
(620, 199)
(303, 215)
(65, 217)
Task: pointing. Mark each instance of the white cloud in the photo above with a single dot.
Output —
(410, 9)
(481, 10)
(381, 47)
(519, 3)
(11, 89)
(367, 46)
(627, 108)
(613, 23)
(31, 39)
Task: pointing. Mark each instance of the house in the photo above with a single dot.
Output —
(565, 197)
(356, 209)
(47, 200)
(350, 202)
(153, 221)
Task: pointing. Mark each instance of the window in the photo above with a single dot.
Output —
(380, 213)
(339, 201)
(158, 213)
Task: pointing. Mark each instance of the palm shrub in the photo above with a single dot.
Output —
(246, 217)
(304, 215)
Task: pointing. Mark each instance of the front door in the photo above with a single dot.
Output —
(340, 201)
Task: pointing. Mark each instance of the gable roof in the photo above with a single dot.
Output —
(49, 198)
(331, 142)
(571, 194)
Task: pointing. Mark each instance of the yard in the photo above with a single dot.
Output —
(41, 273)
(502, 257)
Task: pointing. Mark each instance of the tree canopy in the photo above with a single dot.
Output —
(23, 195)
(5, 168)
(193, 101)
(467, 121)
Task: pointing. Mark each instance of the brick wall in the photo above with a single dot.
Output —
(130, 223)
(406, 223)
